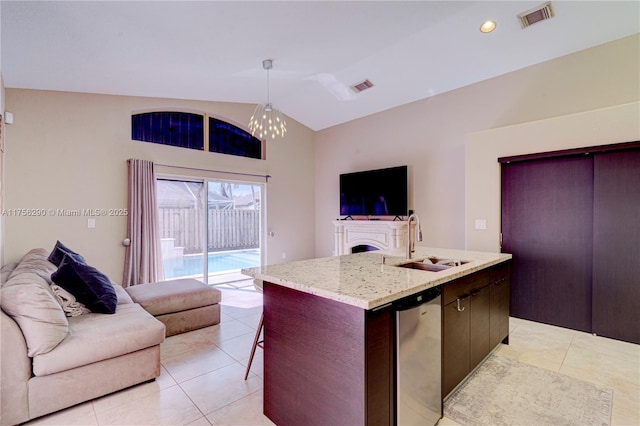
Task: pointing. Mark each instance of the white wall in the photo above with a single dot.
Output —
(69, 151)
(429, 135)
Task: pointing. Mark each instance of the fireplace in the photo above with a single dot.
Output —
(354, 236)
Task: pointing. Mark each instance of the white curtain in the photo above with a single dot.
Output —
(143, 258)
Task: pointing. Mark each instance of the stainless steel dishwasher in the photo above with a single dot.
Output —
(419, 358)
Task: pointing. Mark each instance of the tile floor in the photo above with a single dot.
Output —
(202, 372)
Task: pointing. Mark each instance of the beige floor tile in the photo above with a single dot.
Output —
(168, 407)
(541, 345)
(125, 396)
(445, 421)
(549, 332)
(202, 421)
(246, 411)
(257, 366)
(221, 387)
(80, 415)
(209, 365)
(514, 323)
(244, 298)
(624, 351)
(610, 363)
(240, 312)
(186, 342)
(598, 367)
(238, 347)
(224, 317)
(231, 330)
(251, 320)
(195, 363)
(626, 409)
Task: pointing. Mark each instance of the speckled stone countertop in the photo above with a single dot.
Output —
(362, 279)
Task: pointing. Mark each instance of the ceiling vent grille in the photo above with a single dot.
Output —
(540, 13)
(357, 88)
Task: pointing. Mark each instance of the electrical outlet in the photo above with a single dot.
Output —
(284, 255)
(481, 224)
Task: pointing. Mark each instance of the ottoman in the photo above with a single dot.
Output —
(182, 305)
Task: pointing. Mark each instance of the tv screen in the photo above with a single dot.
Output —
(381, 192)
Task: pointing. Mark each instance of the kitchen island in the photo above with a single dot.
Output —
(329, 351)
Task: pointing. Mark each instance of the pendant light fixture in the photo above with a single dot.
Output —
(267, 121)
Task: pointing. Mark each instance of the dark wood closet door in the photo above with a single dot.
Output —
(616, 248)
(547, 224)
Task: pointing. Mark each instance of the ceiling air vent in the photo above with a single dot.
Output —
(362, 86)
(540, 13)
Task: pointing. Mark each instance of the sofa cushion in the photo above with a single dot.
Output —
(35, 261)
(37, 312)
(95, 337)
(59, 251)
(90, 287)
(27, 297)
(123, 296)
(165, 297)
(5, 271)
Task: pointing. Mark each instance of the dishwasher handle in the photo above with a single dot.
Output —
(417, 299)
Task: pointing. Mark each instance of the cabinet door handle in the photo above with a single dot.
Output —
(458, 308)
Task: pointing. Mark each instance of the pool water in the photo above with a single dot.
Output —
(222, 262)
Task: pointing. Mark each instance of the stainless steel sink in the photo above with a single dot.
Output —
(434, 264)
(442, 261)
(424, 266)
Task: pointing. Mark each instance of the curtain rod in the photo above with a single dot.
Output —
(266, 177)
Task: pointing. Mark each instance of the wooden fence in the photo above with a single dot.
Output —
(228, 229)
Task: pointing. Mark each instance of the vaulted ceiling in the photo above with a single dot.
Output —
(213, 50)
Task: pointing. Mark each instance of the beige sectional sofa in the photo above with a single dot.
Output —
(50, 361)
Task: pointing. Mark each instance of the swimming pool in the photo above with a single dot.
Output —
(220, 262)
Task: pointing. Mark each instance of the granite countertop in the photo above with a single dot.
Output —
(362, 280)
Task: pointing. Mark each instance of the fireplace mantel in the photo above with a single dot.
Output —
(381, 234)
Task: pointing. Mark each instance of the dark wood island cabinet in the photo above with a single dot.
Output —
(330, 352)
(475, 320)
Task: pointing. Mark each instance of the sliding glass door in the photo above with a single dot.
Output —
(233, 229)
(209, 228)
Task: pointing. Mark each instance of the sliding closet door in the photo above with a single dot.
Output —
(616, 250)
(547, 223)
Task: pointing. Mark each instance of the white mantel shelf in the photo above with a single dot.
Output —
(381, 234)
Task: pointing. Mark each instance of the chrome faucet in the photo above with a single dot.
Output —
(418, 235)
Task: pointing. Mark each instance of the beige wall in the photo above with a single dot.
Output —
(482, 187)
(2, 138)
(429, 136)
(69, 151)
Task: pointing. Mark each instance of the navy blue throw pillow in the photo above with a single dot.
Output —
(90, 286)
(60, 250)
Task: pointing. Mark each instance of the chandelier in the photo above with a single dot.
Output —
(267, 121)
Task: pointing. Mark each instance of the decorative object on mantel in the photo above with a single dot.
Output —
(267, 120)
(509, 392)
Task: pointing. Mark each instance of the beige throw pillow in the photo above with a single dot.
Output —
(27, 297)
(38, 313)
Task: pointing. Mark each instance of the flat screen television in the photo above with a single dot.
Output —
(381, 192)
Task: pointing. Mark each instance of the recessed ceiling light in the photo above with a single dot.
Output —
(487, 27)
